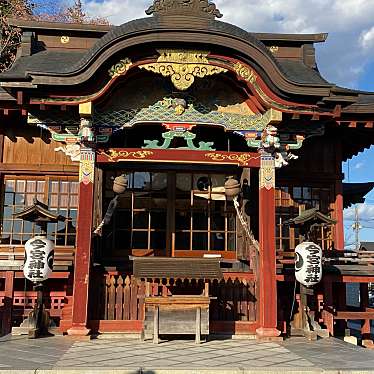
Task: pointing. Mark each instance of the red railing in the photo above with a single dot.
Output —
(24, 302)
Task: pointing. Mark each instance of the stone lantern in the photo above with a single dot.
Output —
(38, 266)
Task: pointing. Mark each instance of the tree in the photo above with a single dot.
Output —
(46, 10)
(10, 37)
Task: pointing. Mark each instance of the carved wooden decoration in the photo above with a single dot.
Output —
(267, 172)
(200, 8)
(183, 66)
(120, 68)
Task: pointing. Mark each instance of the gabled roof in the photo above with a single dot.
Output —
(38, 213)
(310, 216)
(354, 193)
(367, 246)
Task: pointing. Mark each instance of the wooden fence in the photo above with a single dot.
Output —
(122, 297)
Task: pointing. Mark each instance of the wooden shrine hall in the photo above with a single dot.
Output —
(178, 148)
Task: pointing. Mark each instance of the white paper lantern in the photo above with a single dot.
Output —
(39, 252)
(308, 263)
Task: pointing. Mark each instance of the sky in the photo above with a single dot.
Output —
(347, 58)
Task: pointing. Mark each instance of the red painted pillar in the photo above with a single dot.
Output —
(267, 264)
(339, 207)
(82, 262)
(8, 302)
(339, 204)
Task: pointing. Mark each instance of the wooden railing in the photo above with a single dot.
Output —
(122, 297)
(24, 302)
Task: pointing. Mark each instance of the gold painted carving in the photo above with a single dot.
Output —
(115, 156)
(274, 49)
(183, 67)
(120, 68)
(65, 39)
(242, 158)
(245, 73)
(267, 172)
(87, 166)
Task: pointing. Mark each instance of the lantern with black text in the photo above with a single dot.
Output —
(308, 263)
(39, 252)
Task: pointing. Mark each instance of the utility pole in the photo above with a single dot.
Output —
(356, 228)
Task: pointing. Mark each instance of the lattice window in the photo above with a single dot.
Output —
(179, 211)
(61, 196)
(290, 201)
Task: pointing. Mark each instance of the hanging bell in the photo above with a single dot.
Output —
(232, 188)
(120, 184)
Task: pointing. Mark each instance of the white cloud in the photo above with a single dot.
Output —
(342, 59)
(365, 212)
(367, 39)
(359, 165)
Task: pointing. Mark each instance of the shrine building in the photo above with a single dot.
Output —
(186, 158)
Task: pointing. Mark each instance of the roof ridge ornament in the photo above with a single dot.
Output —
(201, 8)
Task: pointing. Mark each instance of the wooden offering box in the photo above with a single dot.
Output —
(180, 315)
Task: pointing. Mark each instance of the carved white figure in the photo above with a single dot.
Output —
(308, 263)
(71, 150)
(86, 131)
(271, 144)
(39, 252)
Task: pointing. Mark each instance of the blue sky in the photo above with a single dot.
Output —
(347, 58)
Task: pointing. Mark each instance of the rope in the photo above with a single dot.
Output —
(244, 224)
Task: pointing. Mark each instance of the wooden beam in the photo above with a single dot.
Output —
(243, 159)
(38, 168)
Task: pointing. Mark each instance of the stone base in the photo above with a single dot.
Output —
(80, 332)
(367, 343)
(119, 335)
(268, 334)
(351, 340)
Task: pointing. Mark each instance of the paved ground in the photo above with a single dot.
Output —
(229, 356)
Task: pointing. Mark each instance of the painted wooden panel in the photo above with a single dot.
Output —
(34, 151)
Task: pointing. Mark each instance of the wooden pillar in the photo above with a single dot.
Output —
(267, 264)
(8, 302)
(82, 262)
(339, 207)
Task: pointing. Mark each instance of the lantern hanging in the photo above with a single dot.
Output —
(39, 254)
(308, 264)
(120, 184)
(232, 188)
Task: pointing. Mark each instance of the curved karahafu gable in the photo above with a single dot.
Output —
(187, 25)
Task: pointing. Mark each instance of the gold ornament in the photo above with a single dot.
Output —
(120, 68)
(65, 39)
(267, 172)
(245, 73)
(274, 49)
(183, 66)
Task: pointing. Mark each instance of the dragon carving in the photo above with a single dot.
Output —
(201, 7)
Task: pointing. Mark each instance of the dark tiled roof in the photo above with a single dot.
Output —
(310, 215)
(153, 23)
(354, 193)
(56, 62)
(68, 62)
(367, 246)
(45, 61)
(298, 72)
(162, 267)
